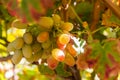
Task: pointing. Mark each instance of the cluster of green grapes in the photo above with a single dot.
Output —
(50, 41)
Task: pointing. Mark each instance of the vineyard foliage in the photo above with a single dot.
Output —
(63, 38)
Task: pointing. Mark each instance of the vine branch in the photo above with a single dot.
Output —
(5, 58)
(96, 15)
(75, 73)
(74, 12)
(113, 7)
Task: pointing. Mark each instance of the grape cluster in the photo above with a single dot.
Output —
(49, 40)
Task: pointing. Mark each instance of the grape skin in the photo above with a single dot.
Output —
(28, 38)
(27, 51)
(16, 58)
(58, 54)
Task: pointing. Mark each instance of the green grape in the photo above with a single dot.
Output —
(27, 37)
(27, 51)
(56, 18)
(67, 26)
(46, 53)
(18, 43)
(46, 44)
(30, 60)
(16, 58)
(37, 55)
(18, 24)
(46, 22)
(10, 47)
(34, 57)
(36, 47)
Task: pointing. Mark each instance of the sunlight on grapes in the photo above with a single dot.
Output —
(78, 47)
(9, 74)
(2, 50)
(96, 78)
(13, 33)
(119, 76)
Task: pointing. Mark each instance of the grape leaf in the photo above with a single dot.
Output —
(109, 19)
(114, 19)
(84, 9)
(96, 49)
(4, 13)
(109, 59)
(110, 48)
(45, 70)
(61, 70)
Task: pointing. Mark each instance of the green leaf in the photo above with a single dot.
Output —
(97, 50)
(61, 71)
(35, 4)
(49, 12)
(4, 13)
(114, 19)
(110, 49)
(45, 70)
(84, 8)
(24, 6)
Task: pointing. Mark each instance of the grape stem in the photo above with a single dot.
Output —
(97, 30)
(5, 58)
(74, 12)
(75, 73)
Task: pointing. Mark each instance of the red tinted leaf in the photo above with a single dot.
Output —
(47, 3)
(10, 8)
(81, 62)
(35, 14)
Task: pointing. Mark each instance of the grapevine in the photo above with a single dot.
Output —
(51, 36)
(63, 38)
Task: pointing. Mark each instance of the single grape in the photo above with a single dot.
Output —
(46, 44)
(37, 55)
(56, 18)
(30, 60)
(10, 47)
(34, 57)
(61, 46)
(46, 22)
(27, 51)
(36, 47)
(46, 53)
(71, 49)
(19, 24)
(52, 62)
(58, 54)
(27, 37)
(67, 26)
(43, 36)
(18, 43)
(64, 39)
(69, 59)
(17, 56)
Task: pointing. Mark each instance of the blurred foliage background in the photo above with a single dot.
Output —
(106, 18)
